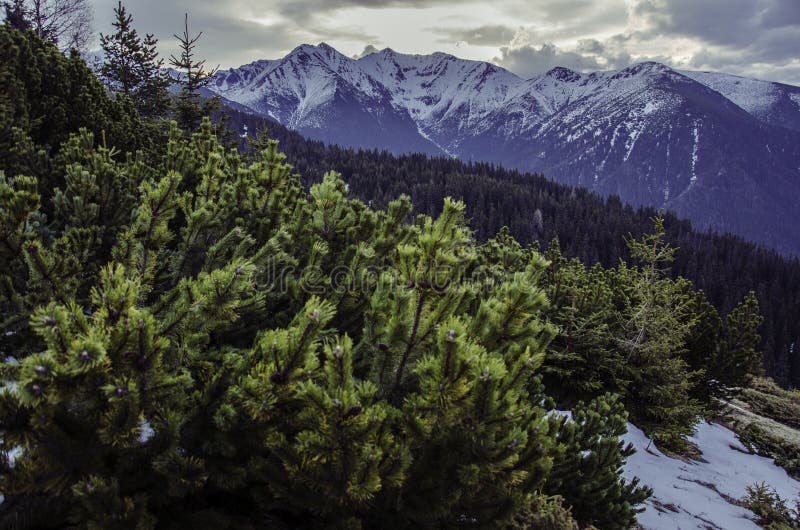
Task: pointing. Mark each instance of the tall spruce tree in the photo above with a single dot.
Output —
(656, 321)
(736, 357)
(193, 76)
(132, 68)
(583, 362)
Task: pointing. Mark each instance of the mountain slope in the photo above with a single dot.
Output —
(721, 150)
(323, 95)
(773, 103)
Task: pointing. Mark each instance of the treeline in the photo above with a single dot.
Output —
(587, 226)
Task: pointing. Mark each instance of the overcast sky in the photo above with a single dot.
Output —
(757, 38)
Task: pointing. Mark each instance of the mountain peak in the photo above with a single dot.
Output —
(563, 74)
(644, 68)
(322, 48)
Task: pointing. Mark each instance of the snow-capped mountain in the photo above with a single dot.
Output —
(722, 150)
(773, 103)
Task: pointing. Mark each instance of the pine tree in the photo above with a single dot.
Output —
(132, 68)
(583, 362)
(193, 77)
(214, 391)
(737, 357)
(586, 473)
(656, 320)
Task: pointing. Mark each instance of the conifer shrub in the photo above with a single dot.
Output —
(197, 341)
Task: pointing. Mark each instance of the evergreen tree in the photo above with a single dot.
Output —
(47, 97)
(17, 15)
(656, 322)
(586, 473)
(737, 357)
(583, 362)
(190, 108)
(132, 68)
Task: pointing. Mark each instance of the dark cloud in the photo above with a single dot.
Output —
(747, 37)
(781, 14)
(765, 29)
(490, 35)
(714, 21)
(315, 8)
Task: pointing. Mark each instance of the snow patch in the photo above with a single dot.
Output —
(696, 135)
(650, 107)
(689, 495)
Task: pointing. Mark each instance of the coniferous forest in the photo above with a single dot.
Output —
(588, 227)
(207, 331)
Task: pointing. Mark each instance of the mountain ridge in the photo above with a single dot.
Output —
(718, 149)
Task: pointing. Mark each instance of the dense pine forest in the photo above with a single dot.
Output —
(201, 336)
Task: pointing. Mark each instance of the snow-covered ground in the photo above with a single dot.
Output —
(689, 495)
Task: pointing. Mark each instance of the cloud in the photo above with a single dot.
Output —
(590, 55)
(315, 8)
(746, 37)
(490, 35)
(369, 49)
(729, 33)
(239, 32)
(754, 38)
(527, 61)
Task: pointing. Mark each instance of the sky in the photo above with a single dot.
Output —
(753, 38)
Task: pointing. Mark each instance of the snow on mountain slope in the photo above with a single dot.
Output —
(720, 150)
(324, 95)
(431, 87)
(309, 77)
(774, 103)
(697, 494)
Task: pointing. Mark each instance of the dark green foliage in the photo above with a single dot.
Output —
(45, 97)
(588, 227)
(132, 68)
(188, 356)
(656, 319)
(189, 107)
(209, 344)
(586, 475)
(771, 509)
(583, 362)
(635, 332)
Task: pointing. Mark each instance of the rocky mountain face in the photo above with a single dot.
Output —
(722, 150)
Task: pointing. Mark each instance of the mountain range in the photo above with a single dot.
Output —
(721, 150)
